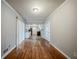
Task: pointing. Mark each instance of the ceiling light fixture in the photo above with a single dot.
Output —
(35, 10)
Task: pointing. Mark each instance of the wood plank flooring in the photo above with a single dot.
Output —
(38, 48)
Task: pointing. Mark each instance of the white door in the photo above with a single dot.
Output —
(34, 28)
(20, 31)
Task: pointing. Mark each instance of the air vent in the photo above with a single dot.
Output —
(5, 50)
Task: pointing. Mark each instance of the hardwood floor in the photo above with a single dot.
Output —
(38, 48)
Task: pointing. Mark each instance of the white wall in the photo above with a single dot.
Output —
(8, 27)
(64, 29)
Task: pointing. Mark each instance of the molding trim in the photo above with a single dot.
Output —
(10, 7)
(8, 52)
(61, 6)
(60, 51)
(17, 13)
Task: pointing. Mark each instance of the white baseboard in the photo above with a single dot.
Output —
(7, 52)
(60, 51)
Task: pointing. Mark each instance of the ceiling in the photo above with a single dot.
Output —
(25, 9)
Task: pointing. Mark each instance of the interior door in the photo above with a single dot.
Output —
(20, 32)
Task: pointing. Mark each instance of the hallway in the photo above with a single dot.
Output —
(38, 29)
(35, 48)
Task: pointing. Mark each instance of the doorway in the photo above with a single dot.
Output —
(20, 31)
